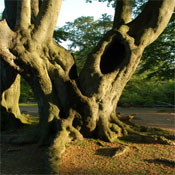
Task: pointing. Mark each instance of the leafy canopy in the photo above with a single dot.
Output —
(158, 58)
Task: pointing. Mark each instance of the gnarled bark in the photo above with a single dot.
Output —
(10, 92)
(70, 106)
(10, 80)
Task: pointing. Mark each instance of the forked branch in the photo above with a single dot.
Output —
(123, 12)
(47, 19)
(9, 59)
(6, 35)
(34, 9)
(25, 13)
(151, 22)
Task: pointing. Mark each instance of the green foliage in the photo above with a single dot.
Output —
(60, 35)
(110, 2)
(26, 92)
(146, 92)
(84, 32)
(158, 59)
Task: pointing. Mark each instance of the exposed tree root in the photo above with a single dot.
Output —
(65, 136)
(59, 146)
(118, 131)
(121, 129)
(121, 150)
(142, 133)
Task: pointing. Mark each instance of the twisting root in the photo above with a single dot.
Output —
(65, 136)
(121, 150)
(111, 130)
(125, 127)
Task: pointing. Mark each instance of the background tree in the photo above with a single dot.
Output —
(158, 58)
(26, 94)
(74, 106)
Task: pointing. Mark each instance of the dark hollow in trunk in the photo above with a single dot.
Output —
(113, 56)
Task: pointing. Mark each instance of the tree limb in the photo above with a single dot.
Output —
(9, 58)
(25, 13)
(6, 35)
(151, 22)
(34, 9)
(47, 19)
(123, 12)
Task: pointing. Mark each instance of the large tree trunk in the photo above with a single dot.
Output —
(71, 106)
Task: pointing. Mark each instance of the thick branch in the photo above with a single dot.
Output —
(6, 35)
(34, 9)
(47, 19)
(9, 58)
(151, 22)
(25, 13)
(123, 12)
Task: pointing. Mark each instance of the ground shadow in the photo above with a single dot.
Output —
(153, 135)
(165, 162)
(108, 152)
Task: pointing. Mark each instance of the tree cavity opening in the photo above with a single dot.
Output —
(113, 56)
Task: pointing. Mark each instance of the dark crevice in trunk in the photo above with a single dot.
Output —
(62, 114)
(113, 56)
(73, 72)
(6, 73)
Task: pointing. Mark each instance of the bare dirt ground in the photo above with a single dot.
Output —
(91, 158)
(154, 117)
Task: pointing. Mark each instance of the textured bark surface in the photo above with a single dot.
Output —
(10, 80)
(10, 92)
(70, 106)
